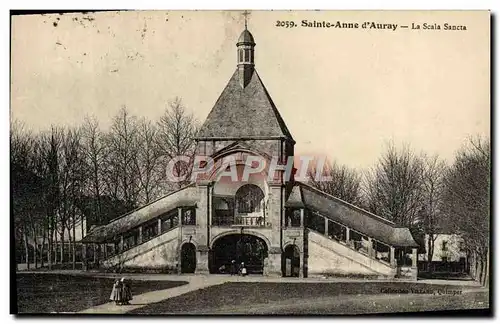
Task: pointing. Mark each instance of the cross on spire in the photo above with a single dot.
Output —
(246, 14)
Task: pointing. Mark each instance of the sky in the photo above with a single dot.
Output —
(343, 93)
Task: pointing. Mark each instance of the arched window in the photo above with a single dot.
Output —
(249, 199)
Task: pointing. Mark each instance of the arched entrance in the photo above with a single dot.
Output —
(246, 248)
(290, 261)
(188, 258)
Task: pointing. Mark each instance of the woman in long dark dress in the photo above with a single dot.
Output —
(126, 293)
(117, 292)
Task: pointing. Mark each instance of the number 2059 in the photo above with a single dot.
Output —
(285, 23)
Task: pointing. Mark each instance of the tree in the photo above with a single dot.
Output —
(73, 178)
(393, 186)
(345, 183)
(431, 213)
(176, 131)
(467, 200)
(122, 146)
(49, 151)
(94, 152)
(26, 190)
(147, 161)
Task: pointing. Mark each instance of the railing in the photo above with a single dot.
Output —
(223, 218)
(358, 246)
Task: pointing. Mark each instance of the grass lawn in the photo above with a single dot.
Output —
(47, 293)
(317, 298)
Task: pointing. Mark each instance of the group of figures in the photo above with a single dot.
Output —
(121, 293)
(234, 269)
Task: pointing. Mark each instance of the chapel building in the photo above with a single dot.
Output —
(275, 225)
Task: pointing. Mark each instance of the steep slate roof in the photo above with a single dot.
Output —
(244, 113)
(356, 218)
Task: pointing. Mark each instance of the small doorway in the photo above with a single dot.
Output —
(291, 261)
(188, 258)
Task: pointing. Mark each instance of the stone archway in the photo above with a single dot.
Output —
(188, 258)
(290, 261)
(246, 248)
(249, 199)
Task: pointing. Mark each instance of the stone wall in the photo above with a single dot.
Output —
(326, 256)
(159, 252)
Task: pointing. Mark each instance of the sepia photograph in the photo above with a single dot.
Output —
(250, 162)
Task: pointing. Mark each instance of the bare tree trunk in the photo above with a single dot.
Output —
(55, 247)
(49, 245)
(35, 244)
(74, 241)
(35, 249)
(83, 253)
(70, 245)
(430, 251)
(26, 248)
(62, 243)
(42, 263)
(486, 281)
(480, 272)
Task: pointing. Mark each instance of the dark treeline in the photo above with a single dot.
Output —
(65, 175)
(426, 194)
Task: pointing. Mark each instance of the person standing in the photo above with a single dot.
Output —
(243, 269)
(116, 292)
(233, 269)
(126, 292)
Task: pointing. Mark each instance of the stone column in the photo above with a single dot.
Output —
(120, 247)
(202, 260)
(210, 205)
(105, 249)
(139, 238)
(179, 214)
(301, 271)
(414, 257)
(302, 217)
(370, 247)
(84, 256)
(347, 235)
(392, 257)
(274, 262)
(326, 226)
(159, 226)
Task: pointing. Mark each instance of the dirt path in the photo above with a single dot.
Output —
(141, 300)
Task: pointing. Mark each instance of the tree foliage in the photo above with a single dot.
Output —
(467, 198)
(344, 183)
(393, 187)
(84, 176)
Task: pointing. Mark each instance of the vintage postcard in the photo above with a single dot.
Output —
(250, 162)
